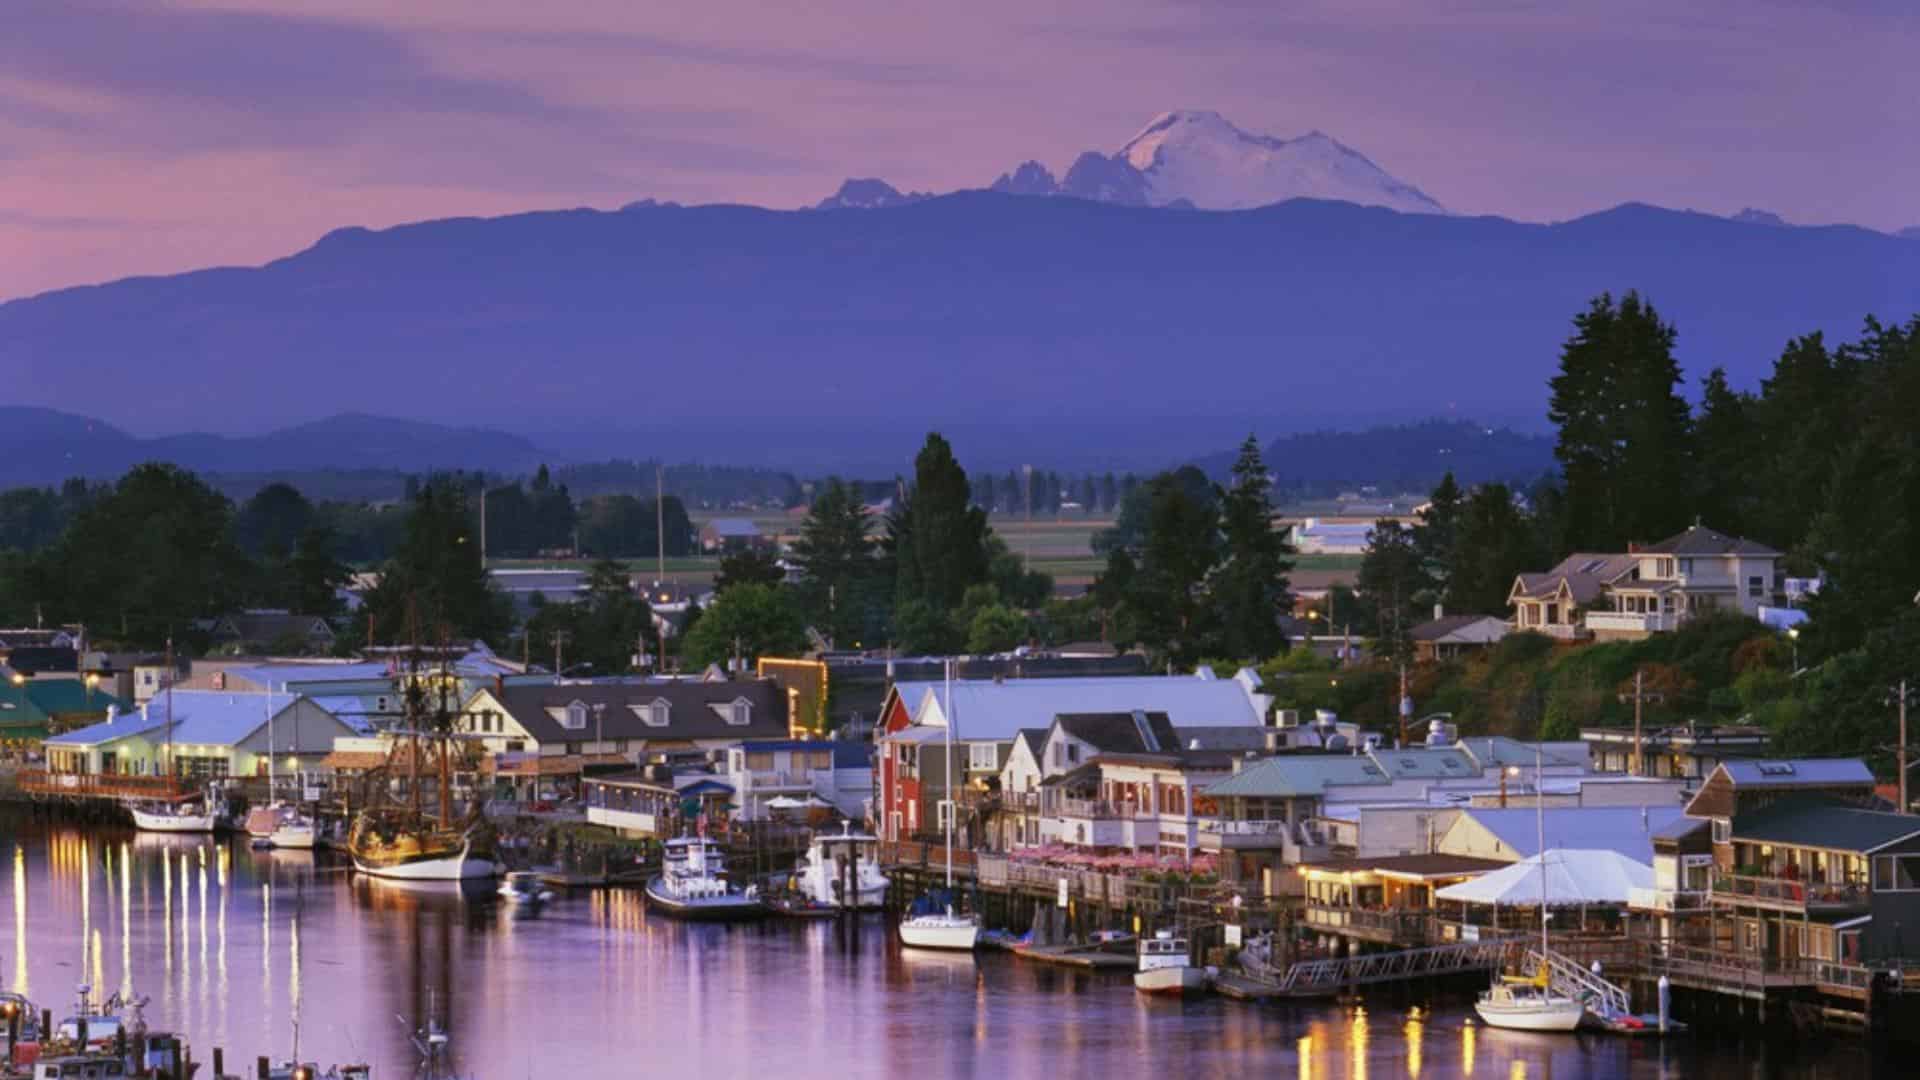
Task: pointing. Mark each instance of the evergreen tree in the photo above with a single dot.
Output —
(1109, 493)
(1249, 591)
(1495, 544)
(1625, 439)
(1727, 454)
(1392, 576)
(748, 566)
(1011, 500)
(315, 573)
(751, 621)
(436, 574)
(1154, 586)
(985, 497)
(271, 522)
(1437, 535)
(840, 578)
(939, 537)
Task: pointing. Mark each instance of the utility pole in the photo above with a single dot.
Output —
(483, 522)
(1639, 697)
(660, 521)
(1898, 698)
(559, 639)
(1406, 705)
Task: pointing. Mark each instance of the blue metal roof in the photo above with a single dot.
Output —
(1628, 830)
(202, 718)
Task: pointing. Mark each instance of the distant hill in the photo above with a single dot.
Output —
(45, 446)
(1403, 458)
(736, 334)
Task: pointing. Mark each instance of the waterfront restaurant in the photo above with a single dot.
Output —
(1386, 901)
(633, 805)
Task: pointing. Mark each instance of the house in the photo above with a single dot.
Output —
(1514, 833)
(33, 709)
(211, 735)
(41, 662)
(1691, 751)
(275, 631)
(731, 533)
(1382, 900)
(833, 773)
(1319, 536)
(1449, 637)
(527, 589)
(987, 715)
(635, 719)
(1647, 590)
(1149, 800)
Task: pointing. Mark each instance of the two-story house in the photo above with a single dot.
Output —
(634, 719)
(834, 774)
(1647, 590)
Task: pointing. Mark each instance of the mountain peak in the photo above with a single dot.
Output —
(1751, 216)
(869, 193)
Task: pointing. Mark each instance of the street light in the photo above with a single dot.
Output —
(1793, 635)
(1513, 771)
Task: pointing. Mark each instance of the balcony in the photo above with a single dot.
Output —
(1631, 622)
(104, 785)
(1390, 927)
(1785, 894)
(1668, 901)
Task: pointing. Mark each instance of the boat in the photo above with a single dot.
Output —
(834, 859)
(296, 830)
(1529, 1002)
(261, 821)
(163, 817)
(1166, 967)
(693, 884)
(525, 887)
(946, 929)
(408, 841)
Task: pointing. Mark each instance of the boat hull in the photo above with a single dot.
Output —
(303, 837)
(732, 907)
(940, 932)
(147, 821)
(463, 865)
(1170, 980)
(1552, 1016)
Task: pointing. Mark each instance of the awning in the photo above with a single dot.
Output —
(1573, 877)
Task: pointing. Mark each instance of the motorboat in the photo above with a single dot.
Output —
(525, 887)
(693, 884)
(1167, 967)
(835, 862)
(166, 817)
(261, 821)
(295, 830)
(1526, 1003)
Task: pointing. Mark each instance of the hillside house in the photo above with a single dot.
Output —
(1648, 590)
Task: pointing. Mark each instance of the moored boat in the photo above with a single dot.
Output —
(1529, 1002)
(172, 817)
(1167, 967)
(940, 930)
(842, 870)
(692, 884)
(525, 887)
(396, 843)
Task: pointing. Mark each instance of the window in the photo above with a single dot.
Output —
(1073, 753)
(760, 761)
(573, 749)
(740, 713)
(983, 756)
(575, 717)
(1722, 830)
(1686, 567)
(944, 810)
(1896, 873)
(1756, 587)
(655, 713)
(820, 759)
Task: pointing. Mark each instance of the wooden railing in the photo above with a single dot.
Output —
(41, 782)
(1787, 892)
(1404, 926)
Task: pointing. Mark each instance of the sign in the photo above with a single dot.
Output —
(1062, 902)
(1233, 935)
(1469, 933)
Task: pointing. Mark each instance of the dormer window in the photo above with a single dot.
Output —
(655, 713)
(576, 716)
(740, 713)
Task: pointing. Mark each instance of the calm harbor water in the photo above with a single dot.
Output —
(233, 944)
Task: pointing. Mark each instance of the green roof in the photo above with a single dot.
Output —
(39, 701)
(1298, 775)
(1836, 827)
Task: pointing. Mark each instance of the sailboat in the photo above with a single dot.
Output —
(943, 929)
(279, 824)
(1529, 1002)
(157, 815)
(405, 841)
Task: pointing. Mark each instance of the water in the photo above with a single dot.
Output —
(233, 944)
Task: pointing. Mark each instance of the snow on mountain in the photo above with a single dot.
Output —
(869, 194)
(1751, 216)
(1197, 155)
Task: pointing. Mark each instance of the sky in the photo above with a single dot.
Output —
(140, 136)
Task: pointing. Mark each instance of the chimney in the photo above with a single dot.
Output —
(1633, 547)
(113, 711)
(1439, 612)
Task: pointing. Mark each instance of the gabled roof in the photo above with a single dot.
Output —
(1628, 830)
(1585, 574)
(1700, 540)
(1302, 775)
(1121, 732)
(1439, 763)
(267, 626)
(1446, 626)
(1034, 737)
(695, 710)
(203, 718)
(1810, 822)
(988, 710)
(1797, 772)
(1492, 751)
(38, 701)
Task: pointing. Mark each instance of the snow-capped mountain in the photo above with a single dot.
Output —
(1196, 159)
(869, 194)
(1198, 156)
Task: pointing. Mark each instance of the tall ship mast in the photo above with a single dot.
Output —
(412, 841)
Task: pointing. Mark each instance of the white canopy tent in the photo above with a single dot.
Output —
(1575, 877)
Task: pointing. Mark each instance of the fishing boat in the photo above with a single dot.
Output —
(525, 887)
(164, 817)
(1167, 967)
(408, 841)
(832, 861)
(1529, 1002)
(693, 884)
(946, 929)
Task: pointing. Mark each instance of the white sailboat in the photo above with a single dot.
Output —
(936, 929)
(172, 817)
(1528, 1002)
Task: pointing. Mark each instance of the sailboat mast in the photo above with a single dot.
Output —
(270, 777)
(949, 770)
(1540, 825)
(170, 679)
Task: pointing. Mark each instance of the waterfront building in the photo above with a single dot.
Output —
(836, 773)
(33, 709)
(636, 719)
(1513, 834)
(1386, 900)
(1646, 590)
(209, 735)
(992, 712)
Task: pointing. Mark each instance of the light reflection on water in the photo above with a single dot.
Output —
(594, 986)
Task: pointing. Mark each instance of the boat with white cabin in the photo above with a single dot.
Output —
(1529, 1002)
(693, 884)
(164, 817)
(834, 859)
(1167, 967)
(943, 929)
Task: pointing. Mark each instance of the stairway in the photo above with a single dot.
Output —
(1603, 999)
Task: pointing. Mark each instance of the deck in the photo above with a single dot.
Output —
(42, 784)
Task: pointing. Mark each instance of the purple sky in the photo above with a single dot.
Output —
(147, 137)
